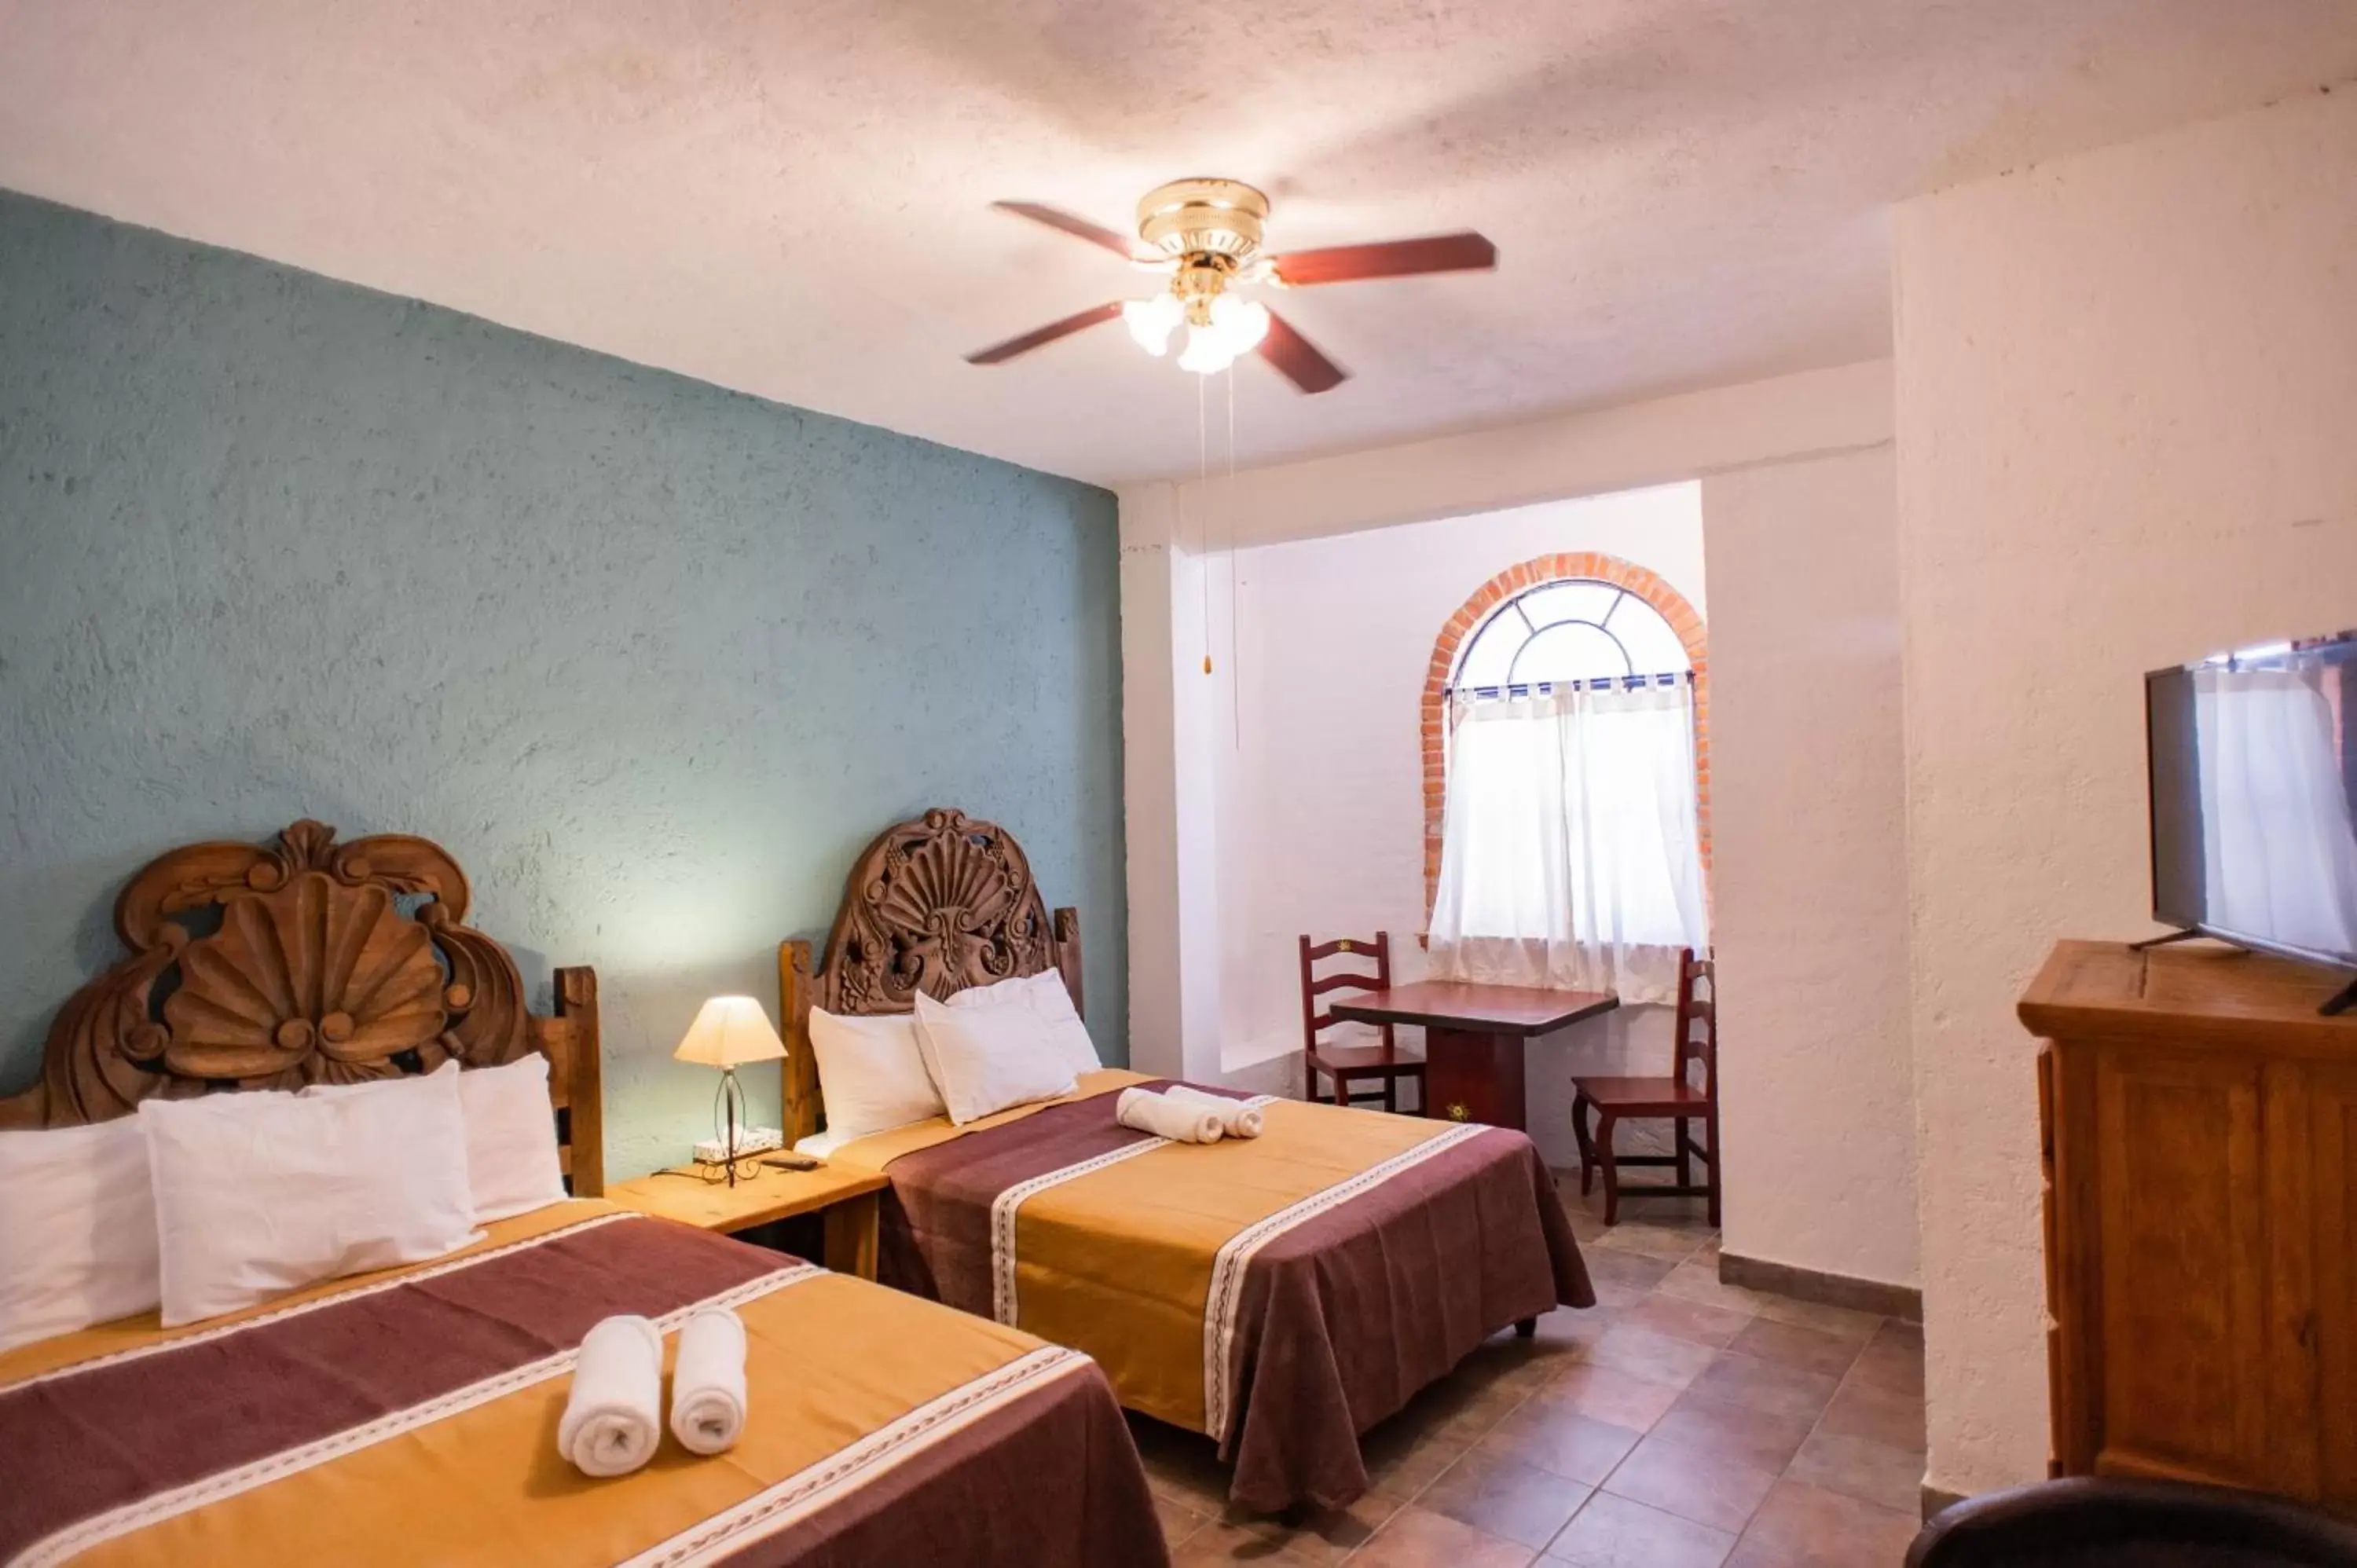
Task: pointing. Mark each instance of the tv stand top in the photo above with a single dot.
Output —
(2203, 993)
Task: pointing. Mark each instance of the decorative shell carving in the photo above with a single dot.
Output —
(310, 981)
(936, 905)
(315, 974)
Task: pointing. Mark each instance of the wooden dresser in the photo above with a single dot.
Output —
(2200, 1124)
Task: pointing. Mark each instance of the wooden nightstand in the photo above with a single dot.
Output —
(846, 1197)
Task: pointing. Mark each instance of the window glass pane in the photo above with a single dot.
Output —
(1653, 646)
(1486, 661)
(1551, 633)
(1578, 600)
(1571, 650)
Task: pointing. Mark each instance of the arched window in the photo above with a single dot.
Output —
(1568, 617)
(1578, 628)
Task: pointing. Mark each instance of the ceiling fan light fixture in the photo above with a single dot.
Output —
(1205, 236)
(1235, 328)
(1241, 322)
(1151, 321)
(1205, 354)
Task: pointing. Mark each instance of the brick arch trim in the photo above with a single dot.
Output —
(1650, 586)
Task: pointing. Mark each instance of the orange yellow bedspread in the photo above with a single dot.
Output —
(410, 1417)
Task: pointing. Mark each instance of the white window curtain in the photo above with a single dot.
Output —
(1569, 851)
(2279, 855)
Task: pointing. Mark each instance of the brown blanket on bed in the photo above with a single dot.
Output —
(410, 1417)
(1283, 1294)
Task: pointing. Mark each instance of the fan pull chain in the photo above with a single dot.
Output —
(1228, 493)
(1203, 532)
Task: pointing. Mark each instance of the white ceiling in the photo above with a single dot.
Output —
(793, 198)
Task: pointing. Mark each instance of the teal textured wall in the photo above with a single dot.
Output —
(653, 659)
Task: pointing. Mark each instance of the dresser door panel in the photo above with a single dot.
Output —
(2332, 1325)
(2183, 1206)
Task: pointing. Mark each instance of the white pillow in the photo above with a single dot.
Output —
(870, 1072)
(1044, 993)
(77, 1230)
(511, 1162)
(988, 1056)
(261, 1193)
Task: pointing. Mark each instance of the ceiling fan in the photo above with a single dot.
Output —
(1205, 235)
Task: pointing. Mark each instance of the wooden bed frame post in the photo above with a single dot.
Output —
(798, 1074)
(585, 1113)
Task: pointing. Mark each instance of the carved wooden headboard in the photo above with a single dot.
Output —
(308, 961)
(934, 905)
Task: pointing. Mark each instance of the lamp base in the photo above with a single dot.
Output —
(728, 1111)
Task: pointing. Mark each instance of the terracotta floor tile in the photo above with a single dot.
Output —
(1696, 1280)
(1574, 1328)
(1800, 1523)
(1406, 1464)
(1707, 1488)
(1658, 1357)
(1673, 1241)
(1682, 1319)
(1790, 1345)
(1417, 1538)
(1899, 1331)
(1506, 1497)
(1757, 1437)
(1329, 1535)
(1891, 1363)
(1610, 1394)
(1222, 1542)
(1615, 1533)
(1741, 1379)
(1560, 1441)
(1178, 1521)
(1860, 1467)
(1526, 1366)
(1839, 1321)
(1862, 1409)
(1632, 1270)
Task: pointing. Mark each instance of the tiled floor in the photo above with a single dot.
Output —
(1679, 1423)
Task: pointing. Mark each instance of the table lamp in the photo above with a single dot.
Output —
(728, 1031)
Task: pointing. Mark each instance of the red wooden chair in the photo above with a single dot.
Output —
(1676, 1100)
(1346, 1065)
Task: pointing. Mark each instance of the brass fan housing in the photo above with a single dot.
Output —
(1190, 218)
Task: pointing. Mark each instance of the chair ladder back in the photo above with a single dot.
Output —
(1314, 985)
(1698, 1021)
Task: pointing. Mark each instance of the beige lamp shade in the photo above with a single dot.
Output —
(730, 1031)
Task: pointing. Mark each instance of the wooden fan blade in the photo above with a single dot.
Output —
(1400, 258)
(1297, 358)
(1126, 249)
(998, 352)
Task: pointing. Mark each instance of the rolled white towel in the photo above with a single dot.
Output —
(613, 1418)
(708, 1383)
(1237, 1120)
(1150, 1113)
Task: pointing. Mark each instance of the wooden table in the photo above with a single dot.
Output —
(1473, 1039)
(845, 1196)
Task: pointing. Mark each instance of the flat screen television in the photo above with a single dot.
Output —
(2254, 765)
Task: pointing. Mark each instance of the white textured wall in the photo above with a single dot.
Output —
(1322, 828)
(2127, 436)
(1757, 447)
(1808, 812)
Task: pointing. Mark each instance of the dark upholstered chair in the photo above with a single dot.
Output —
(2086, 1521)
